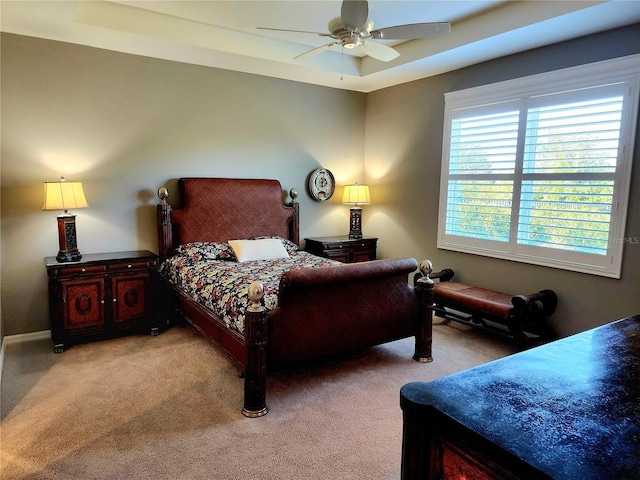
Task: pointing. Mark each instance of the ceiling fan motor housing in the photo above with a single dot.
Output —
(348, 36)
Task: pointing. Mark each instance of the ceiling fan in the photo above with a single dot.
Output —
(354, 29)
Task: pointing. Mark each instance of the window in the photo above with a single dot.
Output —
(538, 169)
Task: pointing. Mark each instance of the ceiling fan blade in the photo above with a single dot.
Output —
(316, 51)
(294, 31)
(380, 52)
(355, 13)
(411, 31)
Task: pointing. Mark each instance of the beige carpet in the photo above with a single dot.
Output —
(169, 407)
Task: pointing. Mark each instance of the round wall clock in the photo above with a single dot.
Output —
(321, 184)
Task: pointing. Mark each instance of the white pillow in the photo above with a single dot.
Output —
(263, 249)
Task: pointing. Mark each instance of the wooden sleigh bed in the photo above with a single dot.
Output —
(320, 312)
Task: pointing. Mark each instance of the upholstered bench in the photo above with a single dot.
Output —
(523, 318)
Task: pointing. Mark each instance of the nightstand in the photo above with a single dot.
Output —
(343, 248)
(102, 296)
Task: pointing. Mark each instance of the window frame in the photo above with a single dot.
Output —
(493, 96)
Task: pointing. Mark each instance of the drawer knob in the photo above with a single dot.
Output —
(129, 266)
(83, 270)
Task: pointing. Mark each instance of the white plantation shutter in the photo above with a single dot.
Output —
(538, 169)
(481, 172)
(571, 150)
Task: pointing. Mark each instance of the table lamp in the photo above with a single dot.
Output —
(64, 195)
(356, 195)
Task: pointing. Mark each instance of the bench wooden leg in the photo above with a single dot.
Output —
(514, 325)
(530, 314)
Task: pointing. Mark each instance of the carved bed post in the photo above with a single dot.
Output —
(167, 303)
(294, 231)
(255, 365)
(424, 333)
(165, 233)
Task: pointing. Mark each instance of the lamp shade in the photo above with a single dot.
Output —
(63, 195)
(356, 195)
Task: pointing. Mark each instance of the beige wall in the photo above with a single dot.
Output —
(125, 125)
(403, 152)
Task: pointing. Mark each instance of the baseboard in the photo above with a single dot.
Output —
(21, 337)
(26, 337)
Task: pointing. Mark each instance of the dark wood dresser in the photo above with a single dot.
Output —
(567, 410)
(102, 296)
(343, 248)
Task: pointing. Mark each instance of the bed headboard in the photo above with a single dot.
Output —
(223, 209)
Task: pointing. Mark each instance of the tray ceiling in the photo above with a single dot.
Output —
(223, 34)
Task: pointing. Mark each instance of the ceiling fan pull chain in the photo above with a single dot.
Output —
(342, 63)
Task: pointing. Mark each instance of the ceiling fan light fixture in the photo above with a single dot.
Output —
(351, 41)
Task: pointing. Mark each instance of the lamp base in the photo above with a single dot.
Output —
(67, 238)
(69, 256)
(355, 222)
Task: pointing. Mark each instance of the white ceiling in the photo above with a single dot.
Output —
(222, 33)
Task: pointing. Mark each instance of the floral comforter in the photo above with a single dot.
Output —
(210, 274)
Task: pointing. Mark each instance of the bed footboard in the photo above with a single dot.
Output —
(331, 311)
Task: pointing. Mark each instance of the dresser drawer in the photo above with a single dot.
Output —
(363, 245)
(126, 266)
(336, 246)
(73, 271)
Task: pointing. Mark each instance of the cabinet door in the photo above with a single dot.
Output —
(130, 294)
(339, 255)
(83, 302)
(364, 250)
(362, 255)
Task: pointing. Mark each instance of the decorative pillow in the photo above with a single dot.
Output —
(289, 246)
(261, 249)
(206, 251)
